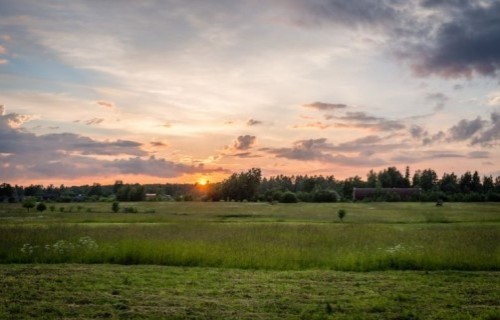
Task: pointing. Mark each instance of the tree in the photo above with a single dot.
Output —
(341, 214)
(428, 179)
(289, 197)
(449, 183)
(391, 178)
(29, 203)
(115, 206)
(371, 179)
(41, 207)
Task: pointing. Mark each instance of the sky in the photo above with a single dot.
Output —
(191, 90)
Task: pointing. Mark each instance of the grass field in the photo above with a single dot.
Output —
(251, 260)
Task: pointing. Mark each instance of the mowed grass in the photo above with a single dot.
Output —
(374, 236)
(168, 212)
(155, 292)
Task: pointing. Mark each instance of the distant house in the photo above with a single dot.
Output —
(370, 193)
(151, 196)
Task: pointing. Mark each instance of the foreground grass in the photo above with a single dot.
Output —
(375, 236)
(355, 247)
(155, 292)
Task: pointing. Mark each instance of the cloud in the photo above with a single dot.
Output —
(417, 132)
(462, 38)
(106, 104)
(320, 150)
(489, 136)
(313, 125)
(494, 99)
(4, 61)
(13, 120)
(324, 106)
(465, 129)
(360, 13)
(413, 156)
(478, 154)
(311, 149)
(158, 144)
(67, 155)
(3, 50)
(94, 121)
(363, 120)
(157, 167)
(253, 122)
(439, 99)
(244, 142)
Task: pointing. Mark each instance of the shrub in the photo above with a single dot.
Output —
(52, 208)
(41, 207)
(115, 206)
(325, 196)
(130, 210)
(289, 197)
(341, 214)
(29, 203)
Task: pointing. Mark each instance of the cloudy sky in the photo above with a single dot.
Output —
(182, 90)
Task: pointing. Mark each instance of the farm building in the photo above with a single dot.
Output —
(369, 193)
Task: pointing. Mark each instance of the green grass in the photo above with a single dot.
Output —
(251, 261)
(358, 247)
(167, 212)
(374, 236)
(155, 292)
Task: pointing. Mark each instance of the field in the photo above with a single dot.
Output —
(251, 260)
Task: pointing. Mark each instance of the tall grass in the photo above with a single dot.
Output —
(358, 247)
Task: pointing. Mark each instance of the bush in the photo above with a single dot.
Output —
(289, 197)
(52, 208)
(130, 210)
(325, 196)
(41, 207)
(29, 203)
(115, 206)
(304, 196)
(341, 214)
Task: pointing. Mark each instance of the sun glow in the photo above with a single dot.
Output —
(202, 181)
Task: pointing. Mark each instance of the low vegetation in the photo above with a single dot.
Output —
(244, 260)
(156, 292)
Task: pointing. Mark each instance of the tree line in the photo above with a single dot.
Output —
(250, 185)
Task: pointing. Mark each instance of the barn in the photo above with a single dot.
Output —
(371, 193)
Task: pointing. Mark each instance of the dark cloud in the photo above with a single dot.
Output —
(349, 13)
(465, 129)
(462, 39)
(417, 132)
(450, 39)
(324, 106)
(439, 136)
(489, 136)
(253, 122)
(244, 142)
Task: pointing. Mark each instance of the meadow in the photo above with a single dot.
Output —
(381, 261)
